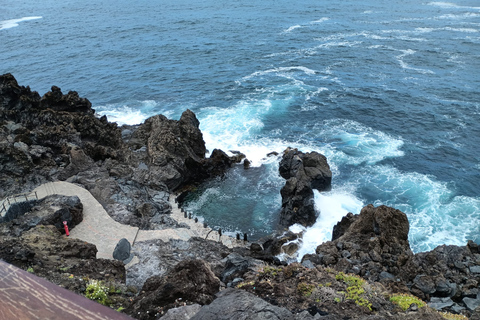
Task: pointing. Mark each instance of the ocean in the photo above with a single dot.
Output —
(388, 91)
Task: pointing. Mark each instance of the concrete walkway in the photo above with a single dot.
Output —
(97, 226)
(196, 230)
(101, 230)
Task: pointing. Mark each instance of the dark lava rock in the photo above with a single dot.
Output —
(51, 210)
(122, 250)
(236, 266)
(304, 172)
(376, 240)
(471, 303)
(191, 281)
(233, 304)
(59, 137)
(343, 225)
(182, 313)
(440, 303)
(155, 253)
(49, 255)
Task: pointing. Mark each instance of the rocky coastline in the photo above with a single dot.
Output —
(133, 170)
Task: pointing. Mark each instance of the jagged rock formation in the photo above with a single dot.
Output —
(304, 172)
(130, 170)
(52, 210)
(191, 281)
(374, 245)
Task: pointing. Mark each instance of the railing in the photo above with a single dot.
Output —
(21, 197)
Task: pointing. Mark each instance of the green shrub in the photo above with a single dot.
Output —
(269, 272)
(355, 289)
(305, 289)
(451, 316)
(97, 291)
(404, 301)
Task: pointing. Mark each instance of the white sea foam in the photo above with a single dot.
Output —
(280, 71)
(290, 29)
(405, 66)
(452, 16)
(431, 207)
(131, 113)
(7, 24)
(450, 5)
(354, 143)
(332, 206)
(321, 20)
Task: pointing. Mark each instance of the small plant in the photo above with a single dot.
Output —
(305, 289)
(120, 309)
(337, 300)
(65, 269)
(97, 291)
(30, 270)
(451, 316)
(71, 276)
(404, 301)
(355, 289)
(242, 284)
(269, 272)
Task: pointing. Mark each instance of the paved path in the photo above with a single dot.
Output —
(100, 229)
(196, 230)
(97, 226)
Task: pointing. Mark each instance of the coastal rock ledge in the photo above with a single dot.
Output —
(303, 172)
(131, 171)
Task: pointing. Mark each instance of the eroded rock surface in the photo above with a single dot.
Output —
(304, 172)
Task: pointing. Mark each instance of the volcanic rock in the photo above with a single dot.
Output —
(376, 240)
(51, 210)
(191, 281)
(304, 172)
(238, 304)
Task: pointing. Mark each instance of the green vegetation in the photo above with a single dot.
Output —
(404, 301)
(355, 289)
(451, 316)
(97, 291)
(242, 284)
(305, 289)
(30, 270)
(120, 309)
(269, 272)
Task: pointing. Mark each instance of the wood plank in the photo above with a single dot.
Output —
(24, 296)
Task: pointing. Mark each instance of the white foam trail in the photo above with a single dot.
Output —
(279, 71)
(321, 20)
(290, 29)
(332, 205)
(431, 207)
(405, 66)
(452, 16)
(450, 5)
(132, 113)
(7, 24)
(354, 143)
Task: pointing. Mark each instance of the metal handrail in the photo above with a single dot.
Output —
(14, 199)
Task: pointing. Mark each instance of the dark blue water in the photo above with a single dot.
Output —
(388, 91)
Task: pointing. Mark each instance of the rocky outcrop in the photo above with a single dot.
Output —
(48, 254)
(155, 253)
(373, 242)
(374, 245)
(130, 170)
(191, 281)
(52, 210)
(238, 304)
(304, 172)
